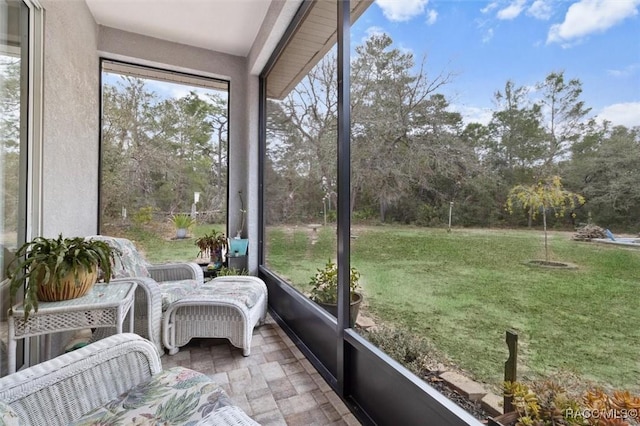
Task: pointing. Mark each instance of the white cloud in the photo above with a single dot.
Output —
(401, 10)
(625, 114)
(540, 9)
(487, 36)
(512, 11)
(432, 17)
(627, 71)
(472, 114)
(404, 49)
(589, 16)
(374, 30)
(488, 8)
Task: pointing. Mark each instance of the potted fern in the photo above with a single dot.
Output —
(53, 269)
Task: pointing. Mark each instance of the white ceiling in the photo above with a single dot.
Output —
(228, 26)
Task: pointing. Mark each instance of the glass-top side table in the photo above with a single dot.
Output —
(106, 305)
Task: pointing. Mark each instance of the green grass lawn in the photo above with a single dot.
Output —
(462, 290)
(158, 245)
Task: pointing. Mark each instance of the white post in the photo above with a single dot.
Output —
(194, 208)
(324, 208)
(450, 210)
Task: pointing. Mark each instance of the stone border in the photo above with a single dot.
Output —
(473, 391)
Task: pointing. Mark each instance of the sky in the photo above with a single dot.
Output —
(485, 43)
(166, 90)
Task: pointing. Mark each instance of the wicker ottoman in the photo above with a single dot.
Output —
(225, 307)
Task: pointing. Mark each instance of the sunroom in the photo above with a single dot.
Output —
(63, 50)
(296, 118)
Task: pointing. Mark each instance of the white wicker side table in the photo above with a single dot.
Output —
(106, 305)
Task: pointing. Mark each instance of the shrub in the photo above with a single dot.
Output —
(429, 215)
(143, 216)
(409, 350)
(364, 215)
(325, 283)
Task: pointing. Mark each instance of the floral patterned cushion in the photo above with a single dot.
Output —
(130, 263)
(244, 292)
(8, 417)
(175, 290)
(229, 415)
(177, 396)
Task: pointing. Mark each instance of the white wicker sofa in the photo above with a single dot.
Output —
(117, 380)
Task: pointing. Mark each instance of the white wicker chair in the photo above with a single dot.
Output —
(60, 391)
(193, 308)
(63, 390)
(214, 311)
(131, 265)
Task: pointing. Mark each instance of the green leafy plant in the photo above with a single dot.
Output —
(182, 221)
(325, 283)
(210, 244)
(48, 261)
(224, 271)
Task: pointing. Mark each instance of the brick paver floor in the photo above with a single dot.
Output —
(275, 385)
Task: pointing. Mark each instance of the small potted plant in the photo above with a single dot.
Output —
(212, 245)
(182, 222)
(324, 290)
(53, 269)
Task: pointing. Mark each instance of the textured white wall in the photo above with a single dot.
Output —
(70, 120)
(70, 126)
